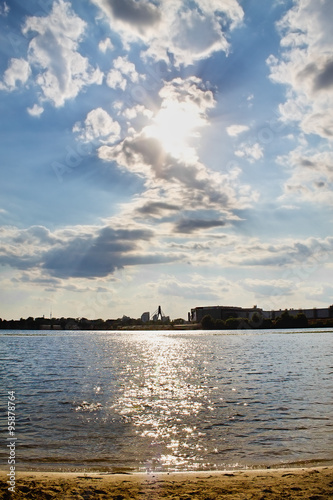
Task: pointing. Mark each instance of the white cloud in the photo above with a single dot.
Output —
(98, 125)
(235, 130)
(62, 71)
(135, 111)
(306, 66)
(308, 255)
(188, 32)
(162, 155)
(115, 80)
(251, 152)
(267, 288)
(126, 68)
(322, 293)
(194, 291)
(36, 110)
(183, 111)
(312, 176)
(4, 9)
(195, 36)
(122, 71)
(105, 45)
(18, 71)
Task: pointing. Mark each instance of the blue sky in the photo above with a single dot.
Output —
(165, 152)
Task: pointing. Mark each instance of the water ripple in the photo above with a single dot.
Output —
(170, 401)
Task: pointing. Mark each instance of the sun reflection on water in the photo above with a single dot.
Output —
(161, 398)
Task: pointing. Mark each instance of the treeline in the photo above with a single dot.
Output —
(77, 324)
(259, 322)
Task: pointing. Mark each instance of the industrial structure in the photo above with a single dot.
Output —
(158, 315)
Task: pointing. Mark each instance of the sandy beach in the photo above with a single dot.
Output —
(315, 483)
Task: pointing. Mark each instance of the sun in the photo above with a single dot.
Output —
(173, 126)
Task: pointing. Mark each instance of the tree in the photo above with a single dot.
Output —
(207, 322)
(301, 321)
(256, 320)
(285, 321)
(232, 323)
(219, 324)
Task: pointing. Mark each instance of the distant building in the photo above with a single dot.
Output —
(222, 312)
(145, 317)
(72, 325)
(50, 327)
(225, 312)
(314, 313)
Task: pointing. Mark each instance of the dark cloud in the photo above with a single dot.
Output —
(88, 254)
(31, 278)
(321, 78)
(95, 256)
(156, 208)
(307, 163)
(324, 79)
(139, 13)
(85, 258)
(147, 156)
(308, 71)
(191, 225)
(13, 260)
(151, 152)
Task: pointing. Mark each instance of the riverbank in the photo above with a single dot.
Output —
(315, 483)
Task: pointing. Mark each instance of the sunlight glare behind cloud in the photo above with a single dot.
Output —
(173, 126)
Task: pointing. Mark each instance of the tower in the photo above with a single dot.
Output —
(159, 315)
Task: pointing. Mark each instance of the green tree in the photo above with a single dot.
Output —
(256, 320)
(232, 323)
(207, 322)
(267, 324)
(219, 324)
(285, 321)
(301, 321)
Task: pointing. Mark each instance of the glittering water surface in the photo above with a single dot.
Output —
(169, 400)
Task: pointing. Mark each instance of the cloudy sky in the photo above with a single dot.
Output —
(165, 152)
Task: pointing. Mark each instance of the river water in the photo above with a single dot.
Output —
(162, 401)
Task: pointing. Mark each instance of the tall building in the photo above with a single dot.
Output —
(145, 317)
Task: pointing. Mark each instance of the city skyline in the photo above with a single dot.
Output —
(165, 152)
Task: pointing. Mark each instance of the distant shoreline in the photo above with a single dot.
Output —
(184, 327)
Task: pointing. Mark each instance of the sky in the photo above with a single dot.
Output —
(165, 152)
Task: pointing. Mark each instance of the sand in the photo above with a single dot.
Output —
(315, 483)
